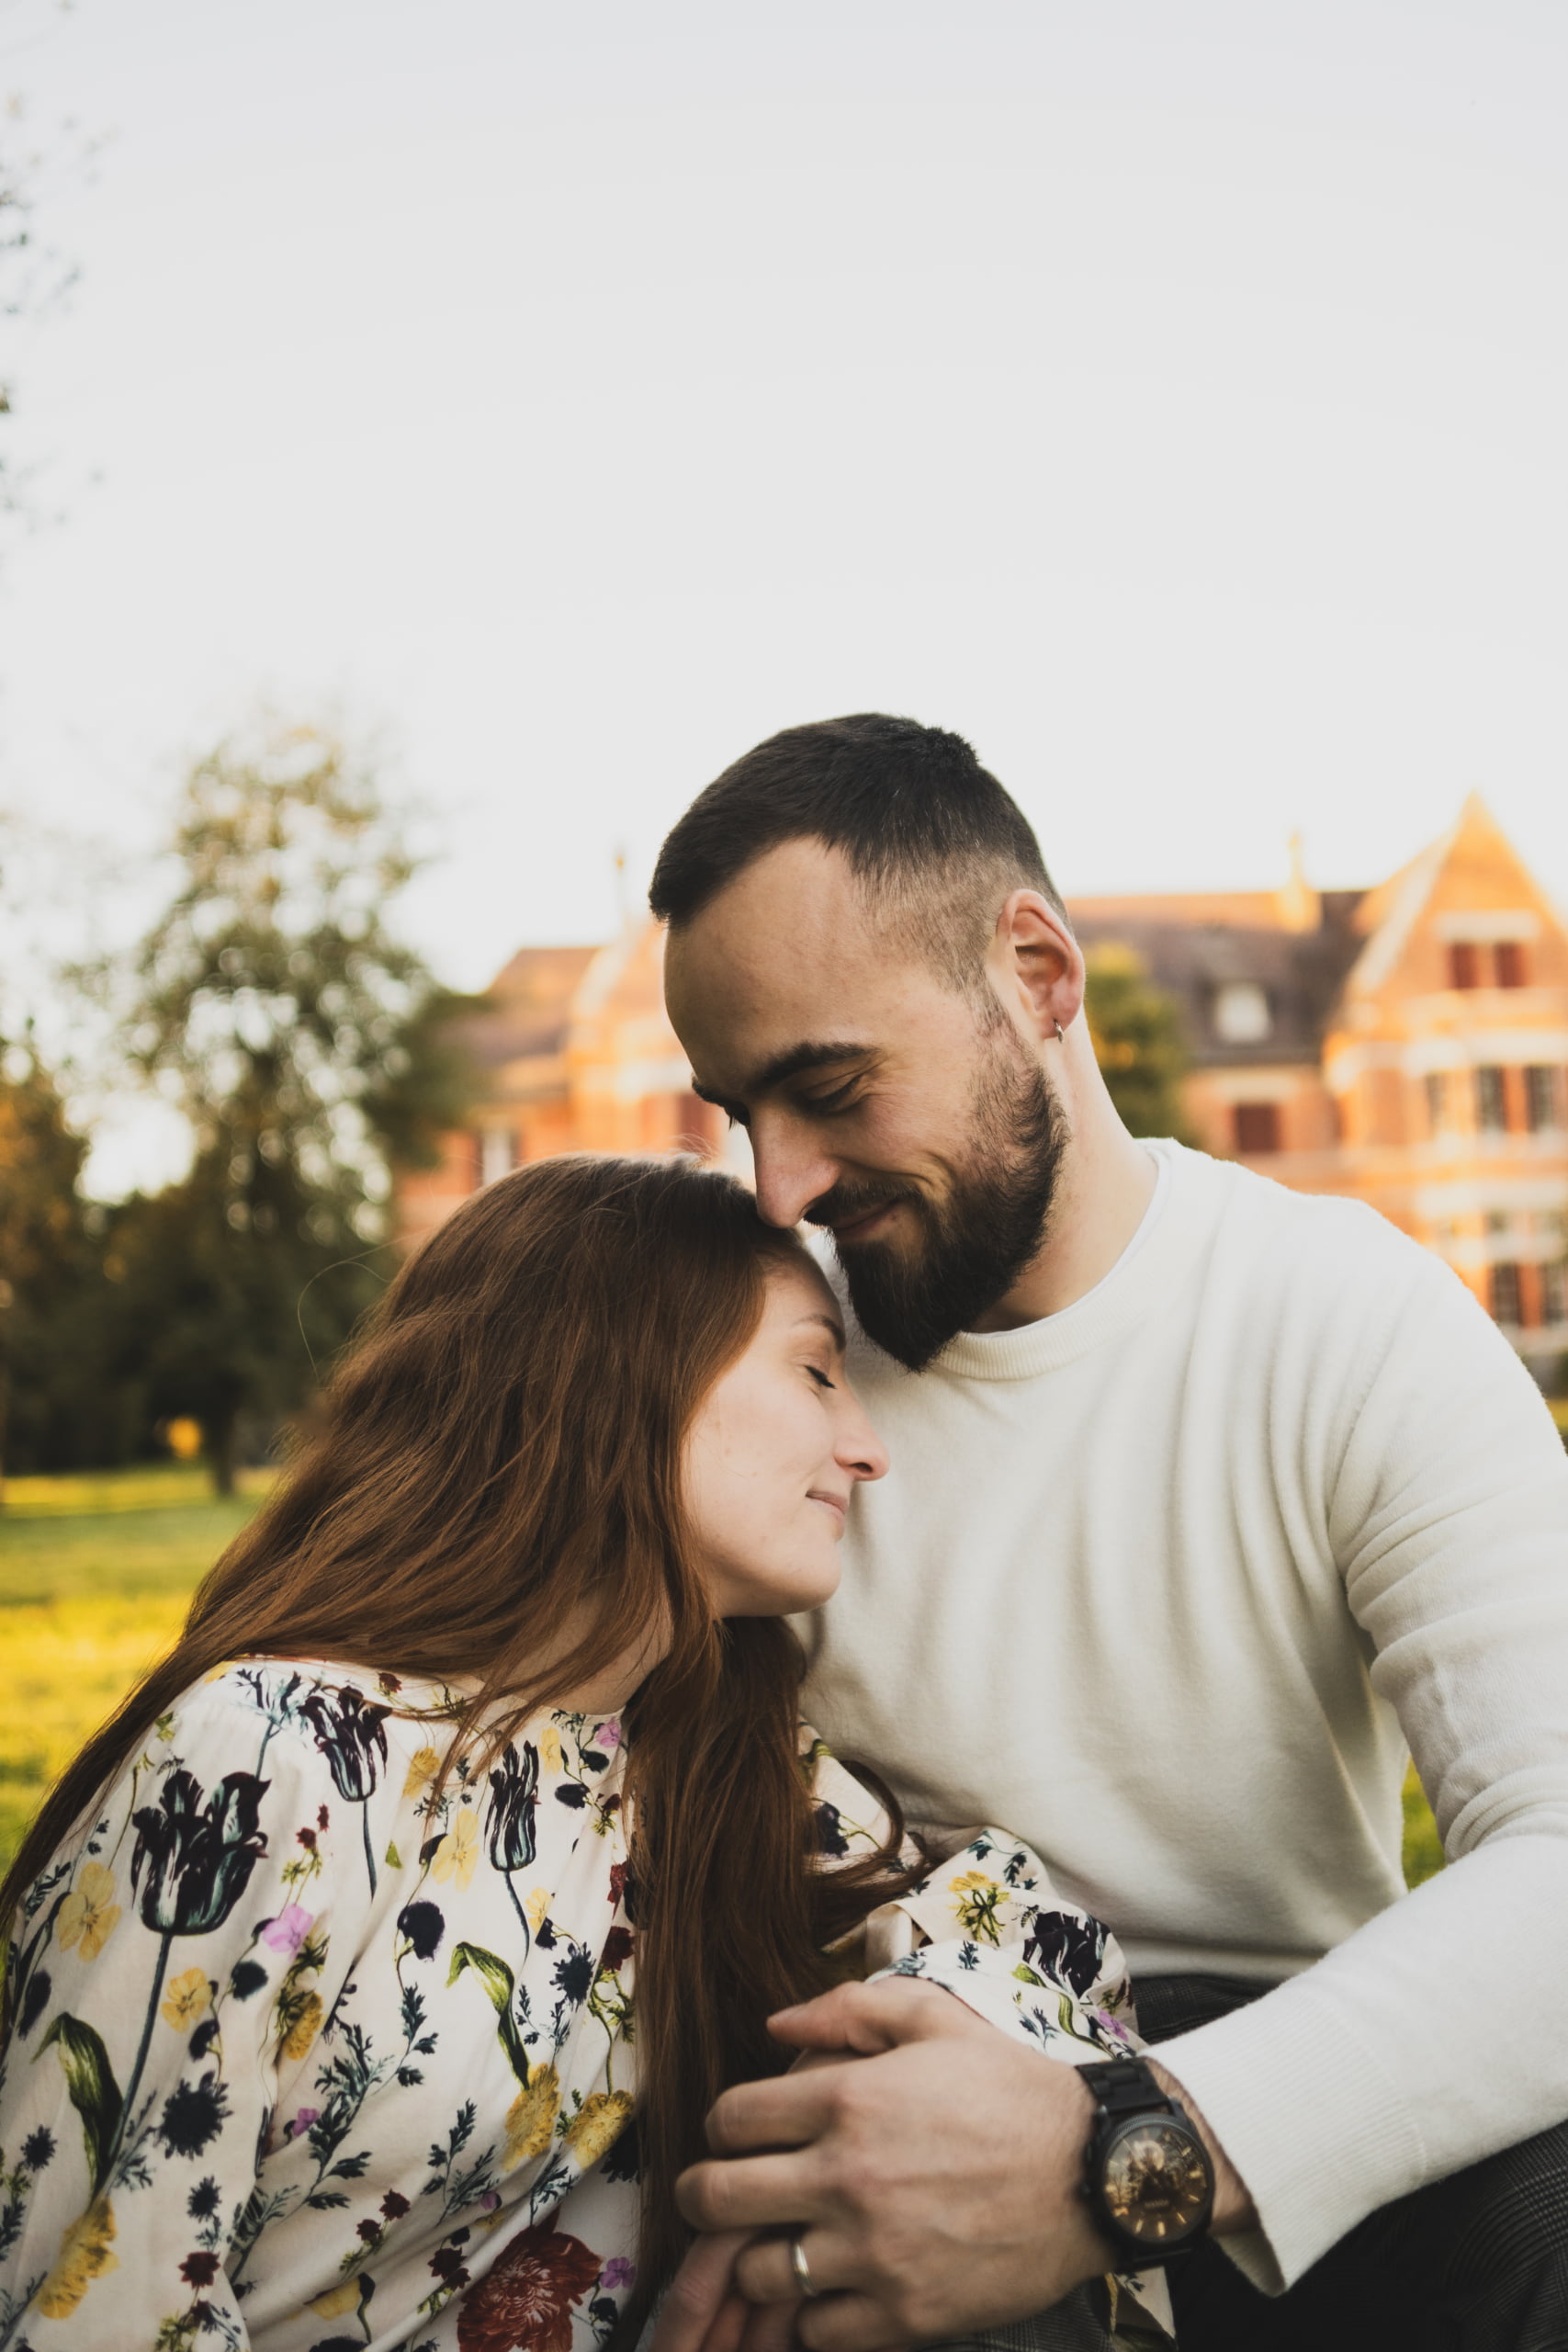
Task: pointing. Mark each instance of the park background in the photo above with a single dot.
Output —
(433, 440)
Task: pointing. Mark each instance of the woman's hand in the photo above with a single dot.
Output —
(704, 2309)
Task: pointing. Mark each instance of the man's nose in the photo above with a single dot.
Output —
(792, 1170)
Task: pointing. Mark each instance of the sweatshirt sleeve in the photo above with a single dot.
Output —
(1401, 2056)
(162, 1968)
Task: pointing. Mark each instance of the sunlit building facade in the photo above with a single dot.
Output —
(1406, 1044)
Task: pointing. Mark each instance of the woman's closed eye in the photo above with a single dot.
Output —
(820, 1377)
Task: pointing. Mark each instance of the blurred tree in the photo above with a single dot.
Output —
(304, 1044)
(1138, 1041)
(56, 1402)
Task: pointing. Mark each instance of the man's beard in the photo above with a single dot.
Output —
(979, 1239)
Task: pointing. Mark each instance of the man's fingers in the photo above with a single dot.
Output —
(749, 2193)
(785, 2112)
(847, 2324)
(765, 2272)
(867, 2019)
(691, 2310)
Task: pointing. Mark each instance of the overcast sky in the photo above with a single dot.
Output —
(1172, 398)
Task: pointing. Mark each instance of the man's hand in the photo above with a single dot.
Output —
(935, 2186)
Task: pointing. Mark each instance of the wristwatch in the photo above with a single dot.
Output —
(1147, 2178)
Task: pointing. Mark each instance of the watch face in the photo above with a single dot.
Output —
(1154, 2176)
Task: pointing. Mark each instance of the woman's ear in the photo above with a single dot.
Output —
(1036, 965)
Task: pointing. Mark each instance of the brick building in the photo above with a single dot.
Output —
(1406, 1044)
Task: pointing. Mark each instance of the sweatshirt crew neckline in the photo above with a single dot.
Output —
(1155, 1262)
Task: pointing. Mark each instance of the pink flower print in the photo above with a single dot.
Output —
(608, 1737)
(300, 2123)
(490, 2200)
(617, 2274)
(289, 1930)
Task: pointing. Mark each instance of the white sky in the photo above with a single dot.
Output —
(1172, 400)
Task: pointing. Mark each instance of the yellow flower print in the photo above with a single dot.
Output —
(979, 1899)
(185, 1999)
(84, 2255)
(598, 2125)
(458, 1851)
(424, 1765)
(89, 1914)
(531, 2118)
(338, 2301)
(303, 2031)
(550, 1750)
(537, 1905)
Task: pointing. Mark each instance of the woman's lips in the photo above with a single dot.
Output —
(835, 1503)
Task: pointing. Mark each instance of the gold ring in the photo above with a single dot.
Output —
(801, 2268)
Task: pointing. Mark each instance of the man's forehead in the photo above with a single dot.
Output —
(785, 955)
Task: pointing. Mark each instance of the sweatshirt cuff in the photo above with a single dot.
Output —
(1310, 2118)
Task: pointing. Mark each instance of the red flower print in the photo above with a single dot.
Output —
(524, 2303)
(618, 1881)
(199, 2269)
(618, 1948)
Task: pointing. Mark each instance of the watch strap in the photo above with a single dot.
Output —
(1127, 2086)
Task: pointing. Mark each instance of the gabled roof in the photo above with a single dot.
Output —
(528, 1007)
(1191, 959)
(1391, 913)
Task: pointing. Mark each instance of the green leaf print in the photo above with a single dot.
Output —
(94, 2092)
(496, 1978)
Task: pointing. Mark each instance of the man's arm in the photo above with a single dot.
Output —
(937, 2183)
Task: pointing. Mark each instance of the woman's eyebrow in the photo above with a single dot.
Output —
(830, 1323)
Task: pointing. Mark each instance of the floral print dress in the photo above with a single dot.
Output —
(307, 2054)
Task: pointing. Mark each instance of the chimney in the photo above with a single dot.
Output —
(1299, 907)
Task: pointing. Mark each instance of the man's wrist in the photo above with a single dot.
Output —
(1234, 2209)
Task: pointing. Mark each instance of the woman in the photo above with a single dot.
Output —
(319, 2027)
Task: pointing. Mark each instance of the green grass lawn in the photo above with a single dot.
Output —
(94, 1575)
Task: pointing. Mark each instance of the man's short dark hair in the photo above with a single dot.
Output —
(926, 831)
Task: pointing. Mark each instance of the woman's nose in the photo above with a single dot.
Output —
(860, 1451)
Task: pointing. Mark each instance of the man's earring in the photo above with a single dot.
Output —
(1060, 1031)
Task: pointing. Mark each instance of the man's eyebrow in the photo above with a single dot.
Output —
(807, 1055)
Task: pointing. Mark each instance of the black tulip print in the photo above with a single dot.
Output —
(1071, 1947)
(510, 1838)
(514, 1795)
(352, 1736)
(197, 1858)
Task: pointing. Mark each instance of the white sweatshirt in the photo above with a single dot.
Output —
(1166, 1583)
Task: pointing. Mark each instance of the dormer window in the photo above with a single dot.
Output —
(1242, 1015)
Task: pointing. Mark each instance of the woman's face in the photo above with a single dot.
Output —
(778, 1446)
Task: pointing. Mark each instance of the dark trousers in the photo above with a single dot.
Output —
(1476, 2263)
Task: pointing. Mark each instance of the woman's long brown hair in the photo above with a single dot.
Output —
(496, 1465)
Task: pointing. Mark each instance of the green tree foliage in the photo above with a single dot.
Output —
(303, 1041)
(1138, 1042)
(57, 1408)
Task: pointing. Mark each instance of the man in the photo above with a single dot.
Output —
(1206, 1499)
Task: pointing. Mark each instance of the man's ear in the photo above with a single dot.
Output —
(1036, 964)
